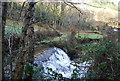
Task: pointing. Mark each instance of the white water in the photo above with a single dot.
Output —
(59, 61)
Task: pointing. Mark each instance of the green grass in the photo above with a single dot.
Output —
(54, 40)
(12, 27)
(92, 36)
(15, 27)
(65, 36)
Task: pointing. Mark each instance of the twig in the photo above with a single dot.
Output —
(73, 6)
(22, 8)
(10, 52)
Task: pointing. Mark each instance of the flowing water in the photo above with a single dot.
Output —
(59, 61)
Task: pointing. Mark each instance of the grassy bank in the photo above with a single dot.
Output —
(105, 5)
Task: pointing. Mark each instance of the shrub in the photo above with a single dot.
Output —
(105, 56)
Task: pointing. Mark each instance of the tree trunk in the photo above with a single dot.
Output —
(0, 41)
(27, 45)
(4, 15)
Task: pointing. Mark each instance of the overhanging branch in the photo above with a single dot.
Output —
(71, 4)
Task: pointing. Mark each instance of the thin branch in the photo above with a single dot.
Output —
(54, 29)
(73, 6)
(22, 8)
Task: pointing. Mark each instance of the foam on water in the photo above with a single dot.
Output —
(59, 61)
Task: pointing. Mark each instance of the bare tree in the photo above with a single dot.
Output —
(27, 43)
(3, 7)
